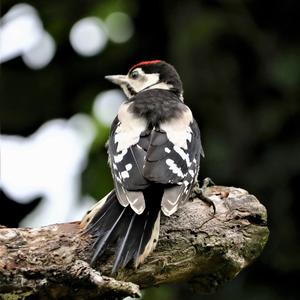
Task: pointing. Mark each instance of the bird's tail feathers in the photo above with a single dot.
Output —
(134, 236)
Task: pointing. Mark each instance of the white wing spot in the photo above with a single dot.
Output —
(174, 168)
(118, 179)
(167, 150)
(125, 174)
(192, 173)
(119, 157)
(128, 167)
(185, 156)
(186, 183)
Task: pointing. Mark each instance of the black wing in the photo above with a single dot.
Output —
(127, 170)
(174, 166)
(168, 154)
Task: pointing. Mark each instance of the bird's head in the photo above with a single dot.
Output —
(153, 74)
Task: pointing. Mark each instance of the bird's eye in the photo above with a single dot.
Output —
(134, 74)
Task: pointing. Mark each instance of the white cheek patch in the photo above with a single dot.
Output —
(126, 91)
(144, 81)
(160, 85)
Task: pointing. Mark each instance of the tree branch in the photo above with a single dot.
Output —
(195, 245)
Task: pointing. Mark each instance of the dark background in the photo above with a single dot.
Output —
(240, 65)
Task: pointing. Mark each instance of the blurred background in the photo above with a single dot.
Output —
(240, 65)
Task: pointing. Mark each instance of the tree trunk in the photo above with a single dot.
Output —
(195, 245)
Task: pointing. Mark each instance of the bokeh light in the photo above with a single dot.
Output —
(21, 29)
(41, 53)
(106, 105)
(119, 26)
(88, 36)
(48, 164)
(22, 34)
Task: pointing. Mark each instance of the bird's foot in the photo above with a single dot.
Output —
(207, 182)
(199, 192)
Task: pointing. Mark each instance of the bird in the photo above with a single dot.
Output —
(154, 151)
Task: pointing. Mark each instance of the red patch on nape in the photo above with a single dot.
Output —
(142, 63)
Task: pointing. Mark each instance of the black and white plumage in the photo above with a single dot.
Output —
(154, 153)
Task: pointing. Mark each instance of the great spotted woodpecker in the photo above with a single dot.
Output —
(154, 153)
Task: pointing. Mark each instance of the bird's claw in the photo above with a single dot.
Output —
(200, 192)
(207, 182)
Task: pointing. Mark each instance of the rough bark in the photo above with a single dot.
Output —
(195, 245)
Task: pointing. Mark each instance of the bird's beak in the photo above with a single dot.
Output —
(117, 79)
